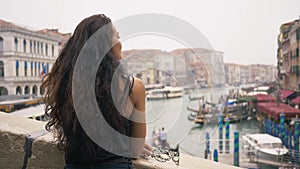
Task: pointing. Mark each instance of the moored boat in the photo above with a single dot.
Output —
(265, 146)
(166, 92)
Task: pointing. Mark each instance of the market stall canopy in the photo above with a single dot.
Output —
(296, 100)
(274, 109)
(285, 93)
(265, 98)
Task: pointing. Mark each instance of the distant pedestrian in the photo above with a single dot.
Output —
(163, 138)
(154, 137)
(158, 135)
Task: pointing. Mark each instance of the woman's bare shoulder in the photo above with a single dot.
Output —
(138, 92)
(138, 84)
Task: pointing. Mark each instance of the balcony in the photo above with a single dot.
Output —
(21, 79)
(25, 55)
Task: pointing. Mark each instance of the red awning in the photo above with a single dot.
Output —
(296, 100)
(285, 93)
(263, 107)
(274, 110)
(265, 98)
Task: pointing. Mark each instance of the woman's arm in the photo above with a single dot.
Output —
(138, 129)
(138, 125)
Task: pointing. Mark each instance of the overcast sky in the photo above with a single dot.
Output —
(245, 30)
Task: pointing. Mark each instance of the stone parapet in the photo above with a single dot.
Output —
(40, 151)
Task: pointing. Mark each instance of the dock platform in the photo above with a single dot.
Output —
(252, 161)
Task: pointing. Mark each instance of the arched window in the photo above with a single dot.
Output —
(52, 50)
(25, 68)
(24, 46)
(1, 44)
(42, 48)
(16, 44)
(18, 90)
(38, 47)
(46, 49)
(34, 90)
(39, 67)
(3, 91)
(47, 67)
(17, 68)
(35, 69)
(1, 69)
(26, 90)
(31, 68)
(30, 46)
(34, 47)
(41, 90)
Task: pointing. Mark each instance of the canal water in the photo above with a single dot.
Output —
(172, 114)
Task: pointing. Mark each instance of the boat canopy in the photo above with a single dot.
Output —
(30, 111)
(263, 139)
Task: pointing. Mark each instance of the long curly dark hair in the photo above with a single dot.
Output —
(57, 85)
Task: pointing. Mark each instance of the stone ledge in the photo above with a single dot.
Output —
(45, 155)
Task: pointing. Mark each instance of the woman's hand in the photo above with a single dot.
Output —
(147, 151)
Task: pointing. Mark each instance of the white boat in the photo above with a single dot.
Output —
(166, 92)
(153, 86)
(265, 146)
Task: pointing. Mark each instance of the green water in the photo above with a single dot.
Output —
(172, 115)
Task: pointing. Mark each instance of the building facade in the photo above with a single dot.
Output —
(232, 73)
(25, 57)
(288, 55)
(206, 67)
(242, 74)
(195, 67)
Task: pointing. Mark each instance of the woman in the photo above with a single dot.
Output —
(80, 150)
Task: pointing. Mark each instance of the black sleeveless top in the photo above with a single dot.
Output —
(76, 154)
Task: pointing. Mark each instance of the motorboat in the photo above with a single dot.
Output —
(165, 92)
(265, 146)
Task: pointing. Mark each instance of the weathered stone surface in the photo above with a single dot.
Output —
(11, 150)
(45, 154)
(13, 131)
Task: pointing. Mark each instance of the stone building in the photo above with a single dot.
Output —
(206, 66)
(288, 55)
(243, 74)
(233, 73)
(151, 65)
(195, 67)
(25, 57)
